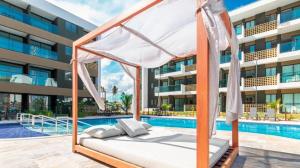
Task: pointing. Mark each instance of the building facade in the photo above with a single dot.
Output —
(269, 38)
(35, 51)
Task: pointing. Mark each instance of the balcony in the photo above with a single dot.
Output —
(25, 18)
(174, 71)
(18, 46)
(290, 77)
(290, 15)
(25, 79)
(260, 107)
(227, 58)
(289, 46)
(264, 27)
(223, 83)
(175, 90)
(260, 81)
(263, 54)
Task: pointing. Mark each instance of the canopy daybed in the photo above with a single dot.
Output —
(148, 36)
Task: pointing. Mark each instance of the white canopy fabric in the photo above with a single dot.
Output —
(161, 33)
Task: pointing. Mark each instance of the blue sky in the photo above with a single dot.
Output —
(99, 11)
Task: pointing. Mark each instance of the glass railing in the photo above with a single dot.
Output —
(227, 58)
(289, 46)
(27, 79)
(167, 70)
(223, 83)
(170, 88)
(290, 15)
(25, 18)
(290, 77)
(17, 46)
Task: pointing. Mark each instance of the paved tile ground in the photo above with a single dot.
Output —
(257, 151)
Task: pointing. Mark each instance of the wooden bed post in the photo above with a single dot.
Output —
(74, 97)
(202, 108)
(138, 92)
(235, 133)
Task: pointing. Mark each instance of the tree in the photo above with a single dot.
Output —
(114, 91)
(276, 105)
(126, 101)
(165, 107)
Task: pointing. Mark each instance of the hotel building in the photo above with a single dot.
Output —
(35, 51)
(269, 36)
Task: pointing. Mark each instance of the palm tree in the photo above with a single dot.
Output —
(126, 100)
(114, 91)
(276, 105)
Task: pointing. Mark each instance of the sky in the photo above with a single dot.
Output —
(100, 11)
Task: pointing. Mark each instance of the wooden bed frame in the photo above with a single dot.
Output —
(202, 130)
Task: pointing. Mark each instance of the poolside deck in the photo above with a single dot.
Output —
(51, 152)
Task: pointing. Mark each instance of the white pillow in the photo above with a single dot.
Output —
(103, 131)
(132, 127)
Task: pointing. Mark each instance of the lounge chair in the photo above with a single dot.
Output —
(270, 114)
(253, 113)
(160, 148)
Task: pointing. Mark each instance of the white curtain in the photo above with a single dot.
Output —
(157, 35)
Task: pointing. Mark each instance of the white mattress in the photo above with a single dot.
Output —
(160, 148)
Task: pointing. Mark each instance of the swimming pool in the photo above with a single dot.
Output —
(283, 130)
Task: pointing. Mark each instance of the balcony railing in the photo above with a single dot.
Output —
(261, 81)
(190, 87)
(189, 68)
(290, 15)
(263, 54)
(290, 77)
(17, 46)
(25, 18)
(170, 88)
(227, 58)
(167, 70)
(25, 79)
(264, 27)
(289, 46)
(260, 107)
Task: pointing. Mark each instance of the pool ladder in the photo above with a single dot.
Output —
(31, 120)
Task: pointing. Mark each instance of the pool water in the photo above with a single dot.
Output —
(16, 130)
(283, 130)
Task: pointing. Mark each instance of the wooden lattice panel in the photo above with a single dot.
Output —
(264, 27)
(260, 107)
(261, 81)
(190, 68)
(191, 87)
(263, 54)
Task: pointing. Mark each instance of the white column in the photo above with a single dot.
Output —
(144, 88)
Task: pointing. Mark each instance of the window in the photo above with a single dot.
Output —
(70, 27)
(68, 76)
(271, 17)
(178, 65)
(270, 98)
(238, 29)
(179, 103)
(38, 103)
(8, 70)
(190, 61)
(39, 76)
(250, 99)
(270, 44)
(68, 51)
(290, 73)
(250, 24)
(41, 45)
(252, 48)
(291, 102)
(271, 71)
(250, 73)
(165, 83)
(10, 103)
(178, 82)
(165, 101)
